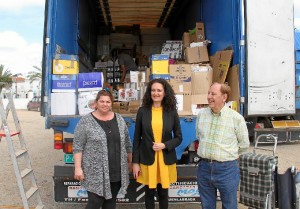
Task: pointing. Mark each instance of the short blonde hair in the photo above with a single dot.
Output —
(225, 89)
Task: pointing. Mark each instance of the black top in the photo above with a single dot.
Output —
(144, 138)
(111, 130)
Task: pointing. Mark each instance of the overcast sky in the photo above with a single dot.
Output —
(21, 33)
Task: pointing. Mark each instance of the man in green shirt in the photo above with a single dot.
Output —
(222, 135)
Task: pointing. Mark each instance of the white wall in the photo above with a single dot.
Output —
(20, 103)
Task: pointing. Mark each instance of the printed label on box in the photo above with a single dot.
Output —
(90, 81)
(125, 95)
(63, 83)
(65, 64)
(86, 102)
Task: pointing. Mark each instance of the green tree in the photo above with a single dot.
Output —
(35, 75)
(5, 75)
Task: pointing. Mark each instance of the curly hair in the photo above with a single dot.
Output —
(169, 101)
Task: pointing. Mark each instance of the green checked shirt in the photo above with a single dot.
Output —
(221, 136)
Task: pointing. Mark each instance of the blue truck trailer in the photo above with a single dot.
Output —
(259, 32)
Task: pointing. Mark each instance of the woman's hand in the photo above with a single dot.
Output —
(78, 174)
(158, 146)
(136, 170)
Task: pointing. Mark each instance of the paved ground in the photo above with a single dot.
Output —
(40, 144)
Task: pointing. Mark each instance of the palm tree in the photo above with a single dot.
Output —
(5, 75)
(35, 75)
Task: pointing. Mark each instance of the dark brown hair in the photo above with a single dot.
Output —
(169, 100)
(105, 92)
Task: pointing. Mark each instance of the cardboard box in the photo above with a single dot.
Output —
(233, 81)
(64, 83)
(181, 77)
(125, 95)
(126, 107)
(196, 108)
(181, 72)
(137, 76)
(65, 64)
(232, 105)
(184, 104)
(134, 106)
(202, 76)
(185, 40)
(196, 54)
(193, 38)
(200, 34)
(63, 104)
(162, 76)
(160, 64)
(198, 101)
(86, 102)
(120, 107)
(221, 63)
(181, 87)
(147, 76)
(173, 49)
(90, 81)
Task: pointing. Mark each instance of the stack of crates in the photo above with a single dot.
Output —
(297, 61)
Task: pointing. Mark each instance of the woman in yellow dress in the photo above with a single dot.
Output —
(157, 134)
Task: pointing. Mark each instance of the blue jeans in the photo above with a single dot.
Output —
(225, 177)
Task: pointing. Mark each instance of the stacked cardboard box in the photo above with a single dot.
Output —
(160, 66)
(88, 86)
(64, 80)
(71, 89)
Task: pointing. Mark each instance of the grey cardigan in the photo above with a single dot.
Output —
(90, 139)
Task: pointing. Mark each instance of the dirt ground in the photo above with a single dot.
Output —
(40, 145)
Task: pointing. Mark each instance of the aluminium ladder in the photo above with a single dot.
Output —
(17, 153)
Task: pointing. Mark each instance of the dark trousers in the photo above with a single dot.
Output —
(162, 197)
(95, 201)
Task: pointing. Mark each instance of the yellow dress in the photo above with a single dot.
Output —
(158, 172)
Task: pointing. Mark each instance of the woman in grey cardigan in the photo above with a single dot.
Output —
(102, 153)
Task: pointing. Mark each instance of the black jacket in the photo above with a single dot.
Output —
(144, 138)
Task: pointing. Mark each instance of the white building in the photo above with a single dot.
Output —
(23, 91)
(22, 88)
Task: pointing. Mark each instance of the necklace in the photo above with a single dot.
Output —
(107, 126)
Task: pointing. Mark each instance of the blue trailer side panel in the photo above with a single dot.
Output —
(297, 50)
(224, 27)
(297, 57)
(221, 19)
(65, 23)
(62, 31)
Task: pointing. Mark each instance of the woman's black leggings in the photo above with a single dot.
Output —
(95, 201)
(163, 195)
